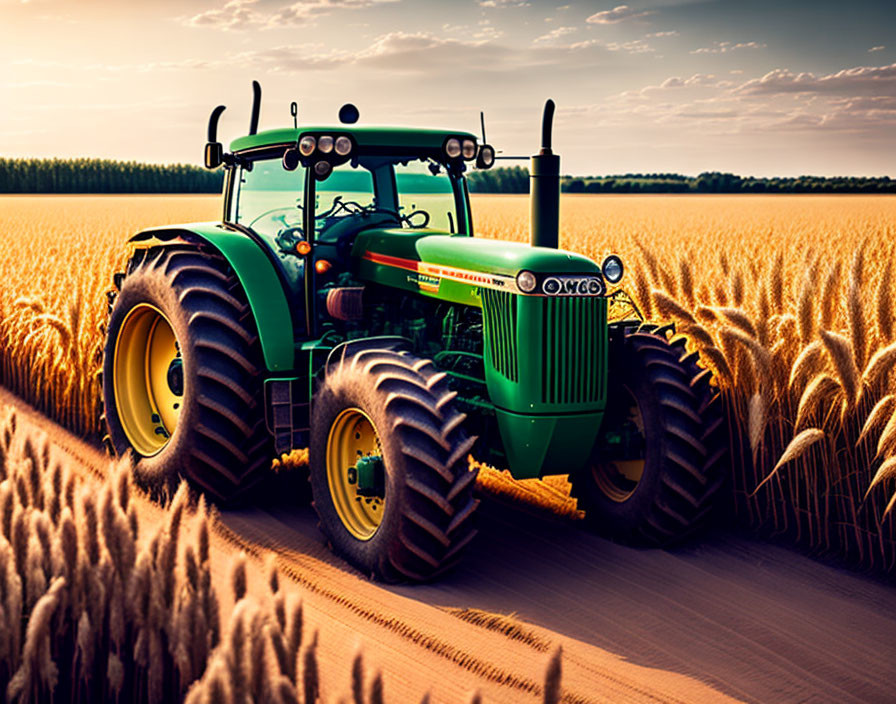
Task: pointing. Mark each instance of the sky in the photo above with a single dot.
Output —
(758, 87)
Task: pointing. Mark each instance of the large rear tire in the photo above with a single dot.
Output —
(391, 413)
(182, 386)
(659, 461)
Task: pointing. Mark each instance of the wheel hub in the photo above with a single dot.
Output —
(176, 376)
(369, 476)
(147, 379)
(356, 473)
(620, 456)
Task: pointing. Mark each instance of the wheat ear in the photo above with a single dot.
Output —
(794, 450)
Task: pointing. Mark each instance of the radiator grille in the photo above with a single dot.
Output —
(574, 330)
(499, 318)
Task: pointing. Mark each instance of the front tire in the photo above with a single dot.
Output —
(182, 385)
(391, 412)
(658, 463)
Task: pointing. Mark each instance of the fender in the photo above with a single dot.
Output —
(256, 274)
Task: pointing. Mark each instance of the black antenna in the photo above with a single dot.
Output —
(256, 107)
(482, 122)
(294, 111)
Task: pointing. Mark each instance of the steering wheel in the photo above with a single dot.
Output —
(278, 214)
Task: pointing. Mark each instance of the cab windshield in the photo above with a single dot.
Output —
(382, 191)
(378, 191)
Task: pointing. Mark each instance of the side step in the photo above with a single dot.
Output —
(287, 413)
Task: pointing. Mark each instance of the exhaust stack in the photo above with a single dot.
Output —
(544, 188)
(256, 107)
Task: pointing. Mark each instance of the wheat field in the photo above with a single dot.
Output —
(789, 299)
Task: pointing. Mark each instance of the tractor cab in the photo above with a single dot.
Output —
(328, 184)
(306, 194)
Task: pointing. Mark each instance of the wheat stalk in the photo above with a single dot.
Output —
(855, 315)
(669, 308)
(820, 390)
(841, 353)
(884, 307)
(887, 440)
(809, 362)
(879, 366)
(794, 450)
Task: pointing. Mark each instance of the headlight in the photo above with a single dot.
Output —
(469, 149)
(307, 145)
(325, 144)
(612, 268)
(322, 169)
(343, 145)
(486, 158)
(526, 281)
(452, 148)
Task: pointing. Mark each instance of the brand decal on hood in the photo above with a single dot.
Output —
(564, 285)
(428, 277)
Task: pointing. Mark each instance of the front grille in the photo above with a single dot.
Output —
(574, 331)
(499, 318)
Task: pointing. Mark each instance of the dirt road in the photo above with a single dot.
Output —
(727, 619)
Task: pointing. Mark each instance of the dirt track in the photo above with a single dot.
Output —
(724, 620)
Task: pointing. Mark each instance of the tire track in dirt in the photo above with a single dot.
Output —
(507, 625)
(298, 570)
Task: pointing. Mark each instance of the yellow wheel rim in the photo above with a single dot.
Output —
(619, 479)
(146, 357)
(351, 437)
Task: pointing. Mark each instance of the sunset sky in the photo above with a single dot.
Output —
(758, 87)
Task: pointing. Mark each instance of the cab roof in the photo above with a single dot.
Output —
(403, 137)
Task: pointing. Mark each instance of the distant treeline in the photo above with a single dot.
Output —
(513, 179)
(104, 176)
(107, 176)
(516, 180)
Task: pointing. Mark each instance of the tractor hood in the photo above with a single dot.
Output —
(456, 267)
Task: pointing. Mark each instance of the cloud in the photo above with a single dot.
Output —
(708, 114)
(698, 79)
(487, 32)
(401, 52)
(620, 13)
(244, 14)
(876, 48)
(871, 102)
(853, 104)
(861, 80)
(554, 34)
(636, 46)
(234, 14)
(503, 3)
(725, 47)
(657, 35)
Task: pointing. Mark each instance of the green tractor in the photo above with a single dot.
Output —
(344, 305)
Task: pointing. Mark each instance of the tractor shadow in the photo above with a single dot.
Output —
(756, 621)
(721, 608)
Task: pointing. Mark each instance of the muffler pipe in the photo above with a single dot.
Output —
(256, 107)
(544, 188)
